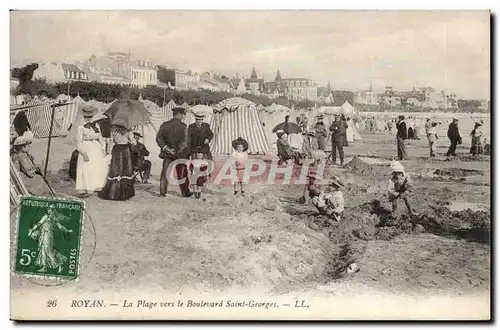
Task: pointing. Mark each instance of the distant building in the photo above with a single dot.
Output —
(143, 73)
(389, 97)
(121, 68)
(59, 72)
(254, 85)
(325, 94)
(109, 79)
(366, 96)
(237, 86)
(297, 89)
(214, 82)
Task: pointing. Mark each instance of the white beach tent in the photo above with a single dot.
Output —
(237, 117)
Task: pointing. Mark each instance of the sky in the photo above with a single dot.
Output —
(448, 50)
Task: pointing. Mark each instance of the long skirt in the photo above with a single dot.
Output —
(349, 134)
(476, 146)
(91, 175)
(36, 185)
(322, 142)
(120, 181)
(402, 155)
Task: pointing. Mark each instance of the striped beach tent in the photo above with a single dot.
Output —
(167, 109)
(237, 117)
(157, 116)
(39, 114)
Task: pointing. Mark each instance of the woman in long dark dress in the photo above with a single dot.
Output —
(476, 145)
(120, 181)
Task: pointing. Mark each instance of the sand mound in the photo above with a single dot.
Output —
(357, 166)
(471, 158)
(457, 172)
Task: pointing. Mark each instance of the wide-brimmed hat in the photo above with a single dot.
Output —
(478, 123)
(177, 110)
(88, 110)
(241, 141)
(280, 132)
(455, 119)
(26, 138)
(137, 134)
(335, 181)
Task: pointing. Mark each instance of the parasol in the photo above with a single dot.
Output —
(288, 128)
(127, 113)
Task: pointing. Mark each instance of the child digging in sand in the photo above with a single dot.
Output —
(239, 158)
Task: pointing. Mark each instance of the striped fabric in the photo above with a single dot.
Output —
(244, 122)
(232, 104)
(184, 105)
(156, 117)
(17, 187)
(167, 109)
(39, 116)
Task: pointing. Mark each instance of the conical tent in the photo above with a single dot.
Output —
(185, 105)
(237, 117)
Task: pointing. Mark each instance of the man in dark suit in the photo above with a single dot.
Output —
(172, 138)
(454, 136)
(139, 152)
(200, 135)
(401, 137)
(338, 129)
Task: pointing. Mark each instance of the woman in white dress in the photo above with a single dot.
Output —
(92, 168)
(350, 130)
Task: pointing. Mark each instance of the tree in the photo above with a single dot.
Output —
(37, 87)
(25, 73)
(305, 104)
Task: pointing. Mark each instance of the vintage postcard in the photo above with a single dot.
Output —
(250, 165)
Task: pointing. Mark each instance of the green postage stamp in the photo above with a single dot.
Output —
(48, 237)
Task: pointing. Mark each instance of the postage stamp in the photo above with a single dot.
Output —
(48, 237)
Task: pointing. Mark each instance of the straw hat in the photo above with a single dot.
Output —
(137, 134)
(88, 110)
(26, 138)
(199, 116)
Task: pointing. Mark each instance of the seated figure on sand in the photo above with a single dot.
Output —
(399, 186)
(330, 201)
(285, 151)
(24, 162)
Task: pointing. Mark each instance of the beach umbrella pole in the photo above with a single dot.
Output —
(50, 140)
